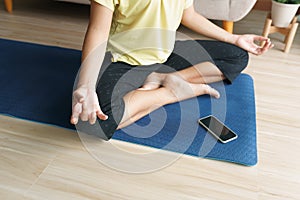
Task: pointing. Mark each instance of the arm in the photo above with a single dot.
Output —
(94, 43)
(196, 22)
(85, 102)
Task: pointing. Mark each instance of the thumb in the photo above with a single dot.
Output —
(101, 115)
(261, 38)
(78, 96)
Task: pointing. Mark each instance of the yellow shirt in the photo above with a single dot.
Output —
(143, 31)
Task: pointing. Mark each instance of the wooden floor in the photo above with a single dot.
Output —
(43, 162)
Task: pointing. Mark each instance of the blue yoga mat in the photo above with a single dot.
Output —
(36, 83)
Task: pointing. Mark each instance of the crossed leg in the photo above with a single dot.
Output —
(160, 89)
(202, 73)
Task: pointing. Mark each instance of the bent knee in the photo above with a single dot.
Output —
(243, 59)
(238, 60)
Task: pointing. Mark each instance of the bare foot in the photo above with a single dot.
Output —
(182, 89)
(153, 81)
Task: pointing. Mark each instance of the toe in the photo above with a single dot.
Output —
(149, 86)
(211, 91)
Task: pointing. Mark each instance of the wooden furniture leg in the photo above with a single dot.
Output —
(290, 37)
(289, 32)
(8, 5)
(267, 28)
(228, 26)
(288, 40)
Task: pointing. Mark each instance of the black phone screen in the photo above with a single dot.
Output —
(217, 128)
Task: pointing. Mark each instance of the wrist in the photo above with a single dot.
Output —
(86, 86)
(232, 39)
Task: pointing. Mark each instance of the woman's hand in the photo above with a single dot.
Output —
(86, 106)
(247, 42)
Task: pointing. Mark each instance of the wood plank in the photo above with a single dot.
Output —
(43, 162)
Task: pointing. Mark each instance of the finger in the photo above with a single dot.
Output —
(271, 45)
(262, 49)
(99, 112)
(261, 38)
(211, 91)
(92, 117)
(101, 115)
(93, 114)
(84, 114)
(266, 47)
(75, 113)
(255, 50)
(267, 44)
(74, 120)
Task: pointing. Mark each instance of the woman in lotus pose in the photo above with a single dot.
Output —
(138, 36)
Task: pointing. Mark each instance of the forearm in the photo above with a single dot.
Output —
(94, 46)
(196, 22)
(93, 53)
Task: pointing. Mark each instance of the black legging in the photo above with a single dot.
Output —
(230, 59)
(120, 78)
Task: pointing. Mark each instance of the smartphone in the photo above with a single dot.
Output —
(217, 129)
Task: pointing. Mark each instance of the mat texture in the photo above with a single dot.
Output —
(36, 84)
